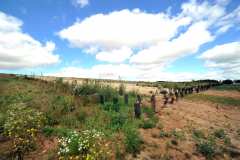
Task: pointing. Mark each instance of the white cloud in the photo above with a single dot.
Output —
(23, 10)
(82, 3)
(123, 28)
(21, 51)
(166, 51)
(91, 50)
(223, 29)
(169, 66)
(128, 72)
(223, 2)
(115, 56)
(75, 62)
(224, 56)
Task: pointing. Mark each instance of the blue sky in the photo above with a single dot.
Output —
(143, 40)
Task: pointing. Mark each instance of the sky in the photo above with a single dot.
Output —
(139, 40)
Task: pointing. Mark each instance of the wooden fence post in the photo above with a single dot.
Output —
(126, 98)
(102, 99)
(153, 102)
(139, 99)
(137, 110)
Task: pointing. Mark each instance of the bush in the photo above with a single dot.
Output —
(132, 141)
(109, 105)
(132, 93)
(163, 92)
(81, 115)
(227, 81)
(121, 89)
(47, 131)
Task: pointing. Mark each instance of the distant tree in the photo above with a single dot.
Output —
(227, 81)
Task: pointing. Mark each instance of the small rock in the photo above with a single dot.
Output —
(44, 151)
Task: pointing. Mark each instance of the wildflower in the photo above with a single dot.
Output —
(206, 129)
(230, 125)
(70, 157)
(106, 145)
(224, 155)
(108, 152)
(77, 157)
(226, 124)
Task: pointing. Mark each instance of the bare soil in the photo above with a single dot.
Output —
(205, 114)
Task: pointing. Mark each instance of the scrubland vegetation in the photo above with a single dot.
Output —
(32, 111)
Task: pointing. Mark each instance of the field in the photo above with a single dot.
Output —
(62, 118)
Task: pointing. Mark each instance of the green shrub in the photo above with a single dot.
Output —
(149, 123)
(47, 131)
(81, 115)
(163, 92)
(132, 93)
(132, 141)
(121, 89)
(227, 81)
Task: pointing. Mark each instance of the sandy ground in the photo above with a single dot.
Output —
(205, 114)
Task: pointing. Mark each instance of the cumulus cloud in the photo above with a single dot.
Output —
(82, 3)
(122, 28)
(21, 51)
(158, 43)
(115, 56)
(224, 56)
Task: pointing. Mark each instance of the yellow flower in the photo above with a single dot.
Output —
(108, 152)
(224, 155)
(70, 157)
(206, 129)
(77, 157)
(226, 124)
(230, 125)
(14, 146)
(206, 136)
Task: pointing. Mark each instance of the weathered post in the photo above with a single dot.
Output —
(126, 99)
(166, 101)
(181, 94)
(171, 101)
(153, 102)
(139, 99)
(102, 99)
(137, 110)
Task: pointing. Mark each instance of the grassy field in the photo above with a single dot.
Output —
(228, 87)
(32, 111)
